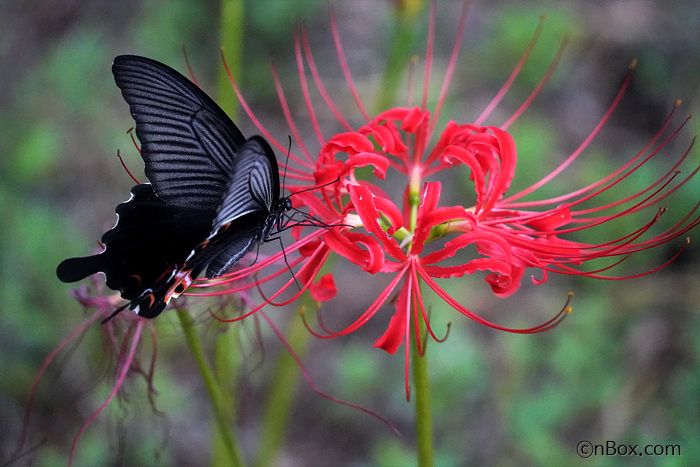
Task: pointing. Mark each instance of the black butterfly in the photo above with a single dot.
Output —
(213, 194)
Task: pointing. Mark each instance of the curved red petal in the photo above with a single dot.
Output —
(348, 244)
(395, 334)
(324, 289)
(364, 204)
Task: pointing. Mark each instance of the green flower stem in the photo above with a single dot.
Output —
(232, 28)
(227, 361)
(222, 421)
(424, 421)
(226, 356)
(406, 13)
(278, 406)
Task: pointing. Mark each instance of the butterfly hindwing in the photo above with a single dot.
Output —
(187, 142)
(225, 248)
(149, 239)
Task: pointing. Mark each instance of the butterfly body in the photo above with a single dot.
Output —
(213, 194)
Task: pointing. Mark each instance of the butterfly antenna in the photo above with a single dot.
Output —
(114, 313)
(308, 221)
(314, 187)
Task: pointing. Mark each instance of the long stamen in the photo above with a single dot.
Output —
(373, 308)
(585, 142)
(514, 74)
(305, 90)
(457, 306)
(290, 121)
(428, 57)
(346, 69)
(624, 169)
(258, 266)
(450, 68)
(293, 172)
(539, 86)
(320, 86)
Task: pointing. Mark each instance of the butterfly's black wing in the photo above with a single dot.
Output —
(237, 238)
(254, 184)
(187, 142)
(213, 196)
(240, 222)
(224, 249)
(148, 241)
(250, 197)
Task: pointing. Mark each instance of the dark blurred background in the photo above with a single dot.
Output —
(622, 367)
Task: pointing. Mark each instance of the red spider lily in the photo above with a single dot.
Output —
(387, 237)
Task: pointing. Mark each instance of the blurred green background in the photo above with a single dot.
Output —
(623, 367)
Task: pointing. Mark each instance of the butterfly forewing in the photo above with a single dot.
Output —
(187, 142)
(254, 184)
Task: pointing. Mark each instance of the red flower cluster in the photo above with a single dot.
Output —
(386, 236)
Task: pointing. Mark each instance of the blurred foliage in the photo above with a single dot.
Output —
(622, 367)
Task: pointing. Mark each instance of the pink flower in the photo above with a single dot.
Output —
(501, 233)
(122, 338)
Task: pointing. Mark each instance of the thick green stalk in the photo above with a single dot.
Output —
(424, 421)
(278, 406)
(227, 360)
(217, 401)
(232, 28)
(226, 354)
(406, 13)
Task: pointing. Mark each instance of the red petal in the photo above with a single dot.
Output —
(387, 136)
(504, 285)
(349, 143)
(552, 219)
(395, 333)
(390, 210)
(395, 113)
(477, 264)
(380, 163)
(487, 244)
(324, 289)
(348, 244)
(415, 118)
(364, 205)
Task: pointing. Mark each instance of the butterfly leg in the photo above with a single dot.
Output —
(284, 254)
